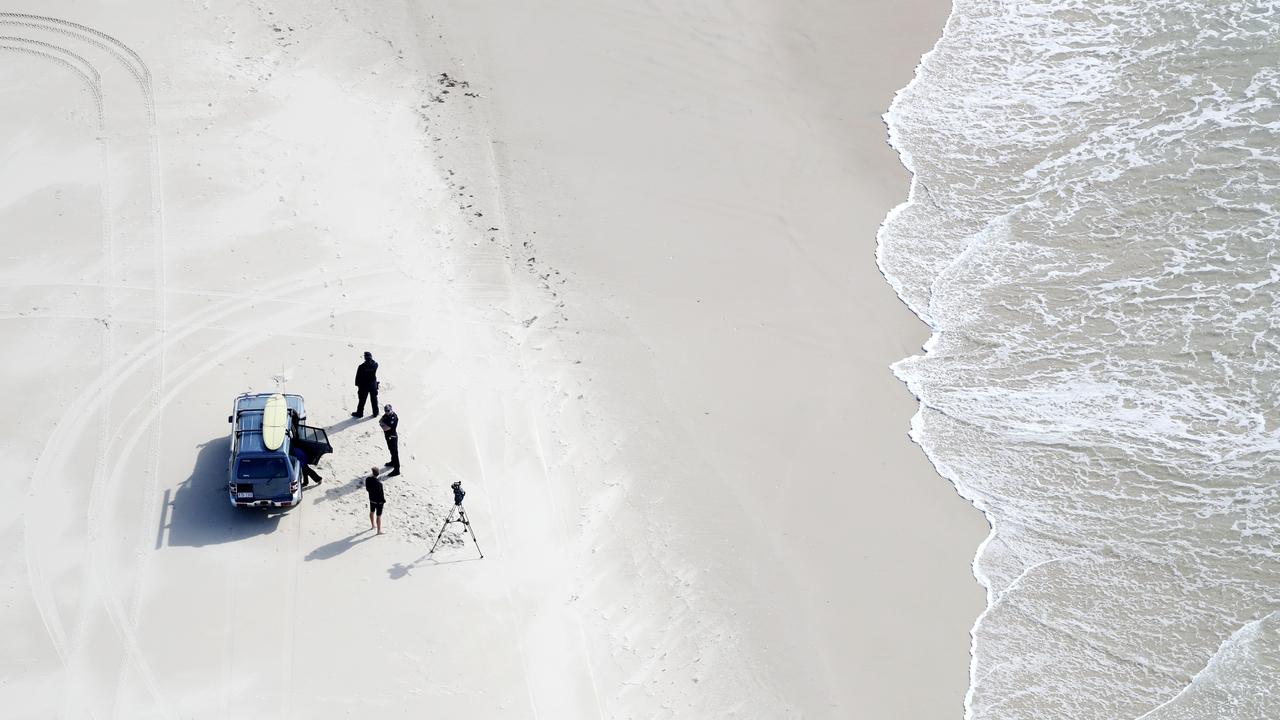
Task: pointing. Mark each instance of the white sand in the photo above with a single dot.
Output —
(620, 281)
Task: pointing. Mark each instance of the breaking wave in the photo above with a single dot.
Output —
(1092, 234)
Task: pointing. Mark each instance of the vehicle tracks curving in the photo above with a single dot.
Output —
(92, 400)
(191, 372)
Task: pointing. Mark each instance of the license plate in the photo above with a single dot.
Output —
(244, 495)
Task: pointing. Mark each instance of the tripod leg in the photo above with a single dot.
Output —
(467, 521)
(441, 533)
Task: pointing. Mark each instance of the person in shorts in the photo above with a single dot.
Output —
(373, 486)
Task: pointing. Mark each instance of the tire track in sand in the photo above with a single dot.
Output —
(89, 402)
(90, 77)
(192, 372)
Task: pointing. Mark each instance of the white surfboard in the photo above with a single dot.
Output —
(275, 417)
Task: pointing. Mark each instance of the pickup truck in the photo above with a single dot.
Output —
(259, 475)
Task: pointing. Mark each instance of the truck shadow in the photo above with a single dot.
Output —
(198, 514)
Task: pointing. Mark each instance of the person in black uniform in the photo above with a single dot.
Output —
(377, 499)
(388, 424)
(304, 466)
(366, 385)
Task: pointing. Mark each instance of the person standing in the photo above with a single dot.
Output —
(388, 424)
(377, 499)
(366, 385)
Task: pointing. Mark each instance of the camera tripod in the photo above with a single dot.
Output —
(462, 518)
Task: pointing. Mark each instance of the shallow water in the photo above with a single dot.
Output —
(1093, 236)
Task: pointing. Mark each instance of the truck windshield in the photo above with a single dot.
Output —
(260, 468)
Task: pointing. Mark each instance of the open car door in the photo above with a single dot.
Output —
(313, 441)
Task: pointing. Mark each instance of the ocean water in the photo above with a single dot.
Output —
(1093, 234)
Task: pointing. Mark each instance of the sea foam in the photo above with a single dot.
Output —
(1092, 235)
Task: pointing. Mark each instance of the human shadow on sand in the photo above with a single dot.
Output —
(198, 513)
(337, 547)
(334, 490)
(344, 424)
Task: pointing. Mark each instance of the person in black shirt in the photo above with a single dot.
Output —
(366, 385)
(388, 424)
(376, 499)
(304, 466)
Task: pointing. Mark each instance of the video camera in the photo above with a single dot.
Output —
(458, 492)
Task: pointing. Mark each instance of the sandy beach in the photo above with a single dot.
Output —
(617, 266)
